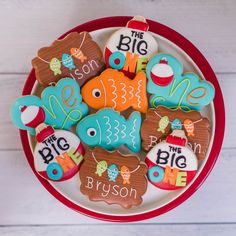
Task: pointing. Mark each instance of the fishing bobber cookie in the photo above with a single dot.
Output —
(58, 153)
(171, 163)
(162, 74)
(129, 48)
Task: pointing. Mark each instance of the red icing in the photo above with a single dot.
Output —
(139, 25)
(44, 133)
(176, 140)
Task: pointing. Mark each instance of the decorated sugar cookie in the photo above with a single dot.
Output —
(109, 130)
(196, 127)
(171, 88)
(113, 178)
(76, 56)
(129, 48)
(171, 163)
(58, 153)
(62, 105)
(113, 89)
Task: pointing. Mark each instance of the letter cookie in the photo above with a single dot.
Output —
(161, 121)
(113, 89)
(171, 163)
(171, 88)
(62, 105)
(76, 56)
(129, 48)
(109, 130)
(113, 178)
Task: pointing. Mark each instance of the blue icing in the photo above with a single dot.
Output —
(16, 110)
(67, 61)
(62, 105)
(108, 129)
(112, 172)
(185, 91)
(176, 124)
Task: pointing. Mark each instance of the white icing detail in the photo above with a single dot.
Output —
(162, 70)
(117, 130)
(105, 94)
(153, 141)
(114, 92)
(108, 129)
(131, 133)
(125, 92)
(131, 91)
(123, 131)
(29, 114)
(100, 132)
(138, 93)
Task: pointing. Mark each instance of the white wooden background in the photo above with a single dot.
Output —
(26, 208)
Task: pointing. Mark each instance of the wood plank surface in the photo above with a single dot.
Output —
(26, 208)
(29, 25)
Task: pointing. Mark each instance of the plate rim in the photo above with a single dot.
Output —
(205, 68)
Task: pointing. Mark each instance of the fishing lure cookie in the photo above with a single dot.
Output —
(76, 55)
(171, 88)
(171, 163)
(109, 130)
(161, 121)
(113, 89)
(129, 48)
(113, 178)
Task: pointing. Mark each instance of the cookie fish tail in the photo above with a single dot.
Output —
(133, 124)
(139, 101)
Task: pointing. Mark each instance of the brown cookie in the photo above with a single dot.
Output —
(159, 123)
(76, 56)
(113, 178)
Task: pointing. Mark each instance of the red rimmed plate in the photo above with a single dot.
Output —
(156, 202)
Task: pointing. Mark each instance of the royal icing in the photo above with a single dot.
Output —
(76, 56)
(161, 121)
(58, 153)
(108, 129)
(113, 89)
(171, 163)
(171, 88)
(130, 48)
(113, 178)
(62, 105)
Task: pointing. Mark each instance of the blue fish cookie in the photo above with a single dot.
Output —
(172, 88)
(62, 105)
(108, 129)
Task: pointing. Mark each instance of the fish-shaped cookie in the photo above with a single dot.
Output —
(113, 89)
(108, 129)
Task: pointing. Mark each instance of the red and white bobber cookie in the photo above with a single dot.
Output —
(171, 163)
(130, 48)
(58, 153)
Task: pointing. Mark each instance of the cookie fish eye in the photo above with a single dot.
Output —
(91, 132)
(96, 93)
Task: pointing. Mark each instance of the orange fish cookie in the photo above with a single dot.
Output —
(113, 89)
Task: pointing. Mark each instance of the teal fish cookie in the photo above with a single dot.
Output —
(62, 105)
(108, 129)
(171, 88)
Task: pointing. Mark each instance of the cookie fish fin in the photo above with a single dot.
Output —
(133, 124)
(139, 101)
